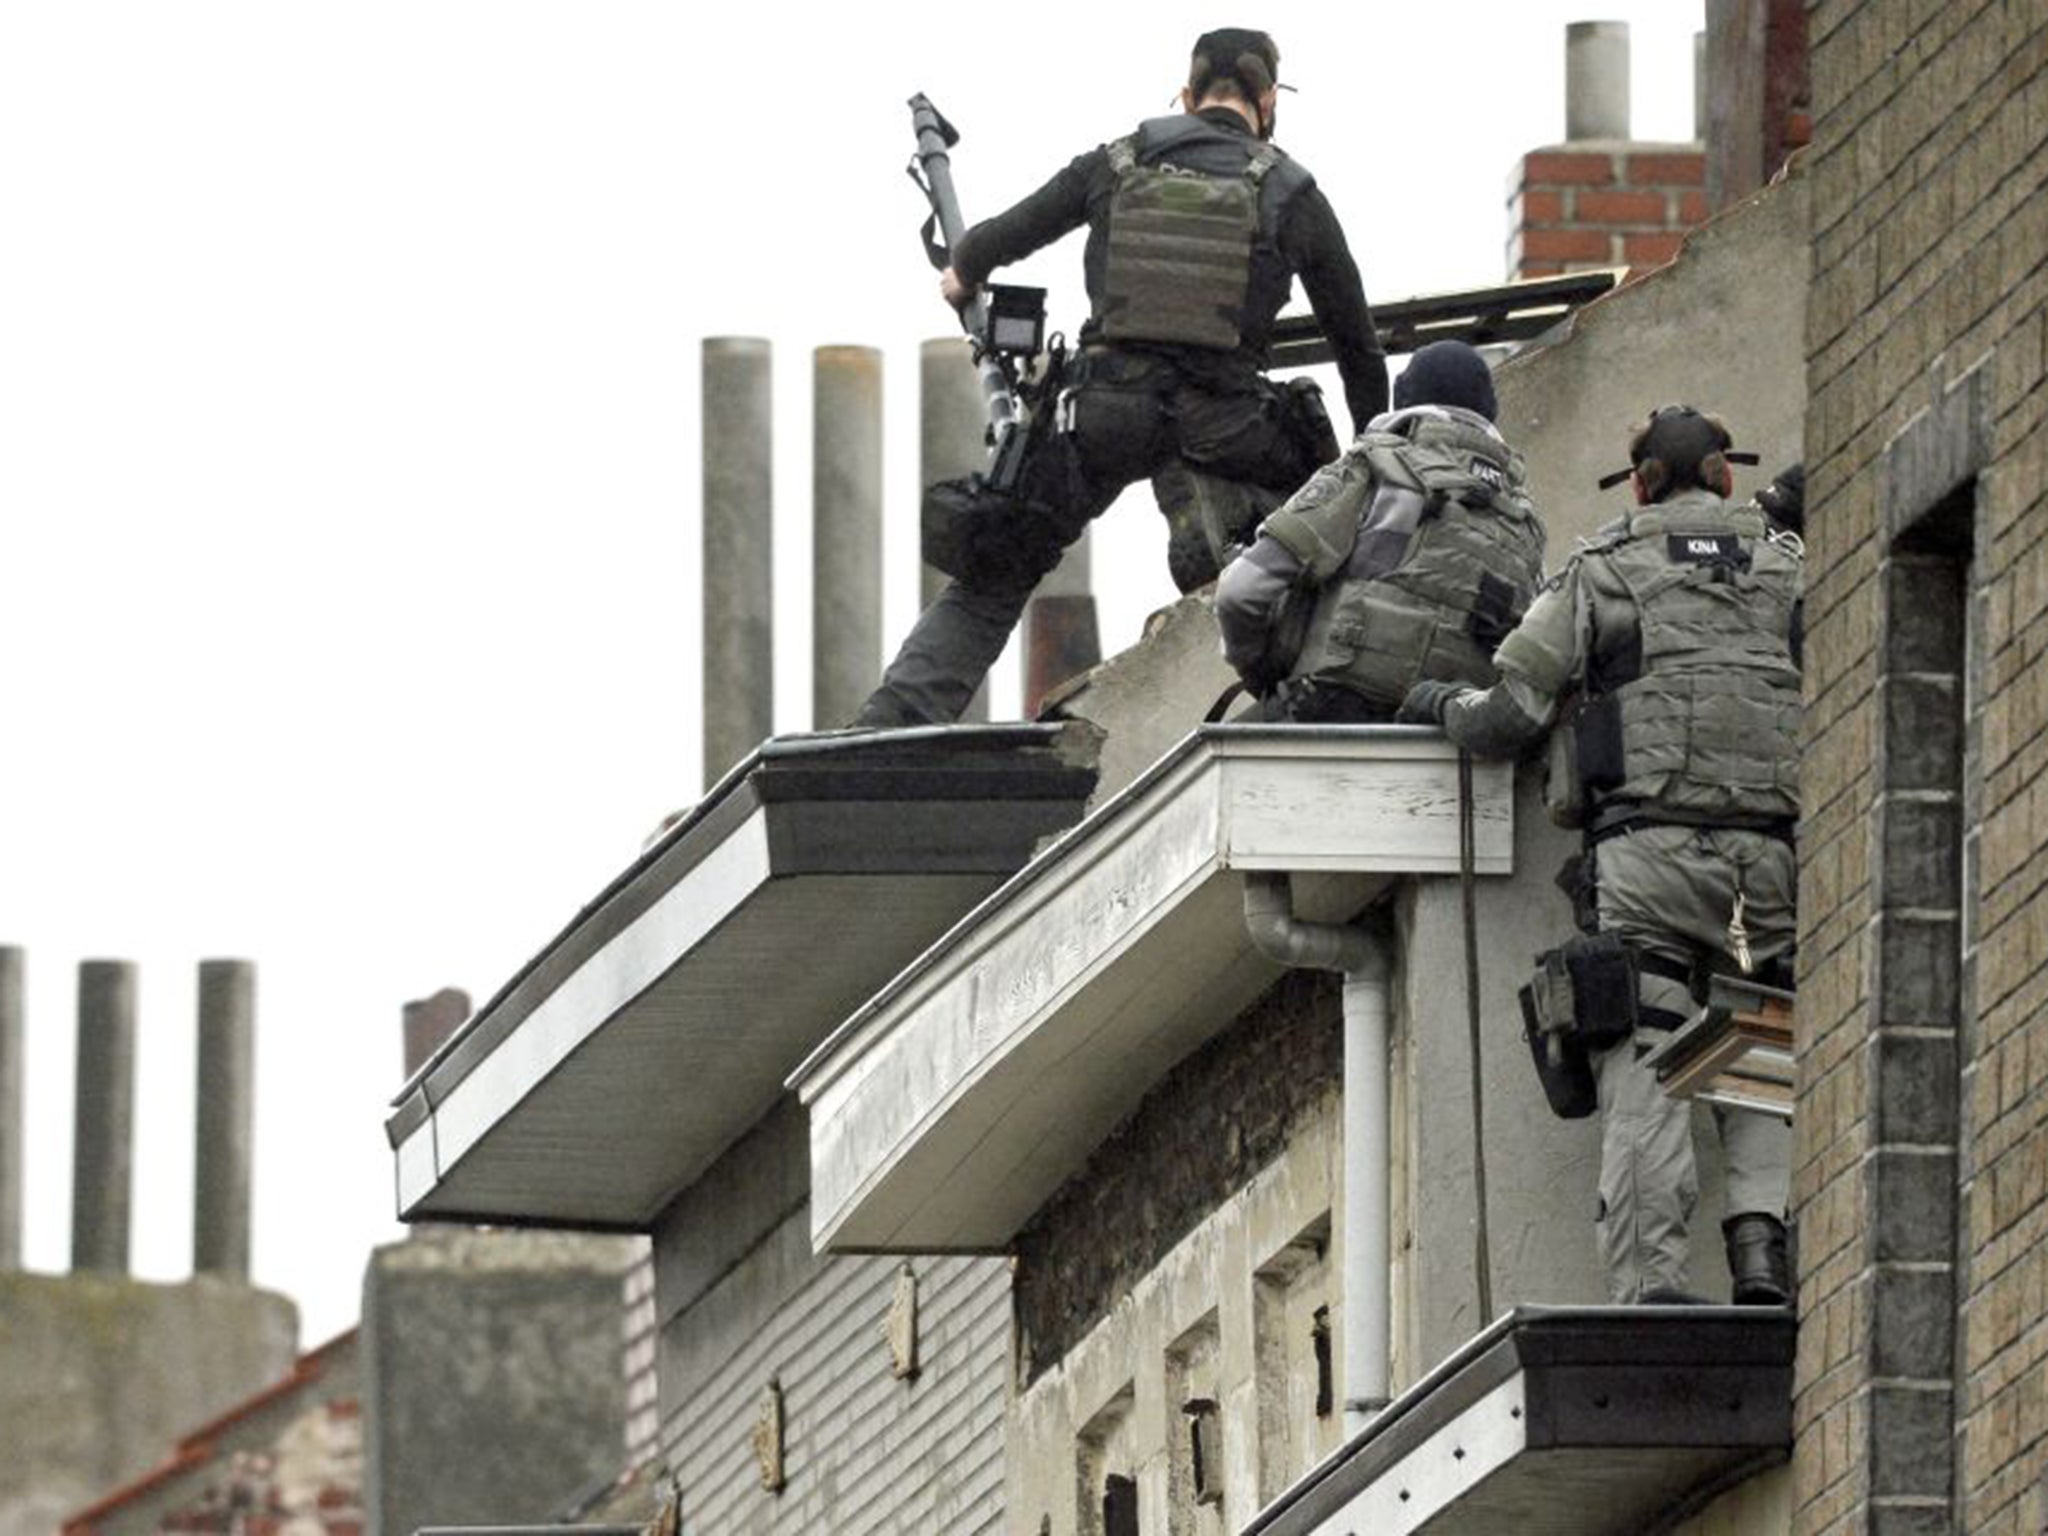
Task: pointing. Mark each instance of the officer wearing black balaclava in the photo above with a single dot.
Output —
(1197, 226)
(1409, 559)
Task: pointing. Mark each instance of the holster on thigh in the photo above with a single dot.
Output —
(1582, 999)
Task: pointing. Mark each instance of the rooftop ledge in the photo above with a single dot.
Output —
(1592, 1421)
(613, 1069)
(953, 1104)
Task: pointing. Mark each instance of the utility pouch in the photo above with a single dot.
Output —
(1603, 982)
(1585, 991)
(986, 537)
(1575, 877)
(1308, 421)
(1564, 794)
(1599, 743)
(1562, 1066)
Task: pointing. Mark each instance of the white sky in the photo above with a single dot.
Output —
(349, 462)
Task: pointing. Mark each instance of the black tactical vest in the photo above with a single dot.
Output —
(1191, 205)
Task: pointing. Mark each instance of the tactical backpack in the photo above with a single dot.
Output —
(1429, 598)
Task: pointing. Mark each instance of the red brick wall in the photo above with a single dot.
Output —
(1601, 204)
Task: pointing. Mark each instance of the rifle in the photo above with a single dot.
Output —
(1005, 323)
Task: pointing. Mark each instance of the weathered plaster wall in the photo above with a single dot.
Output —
(1227, 1316)
(493, 1383)
(1722, 329)
(100, 1373)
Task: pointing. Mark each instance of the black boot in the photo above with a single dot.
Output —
(1757, 1260)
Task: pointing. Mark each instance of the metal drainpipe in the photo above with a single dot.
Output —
(1368, 1297)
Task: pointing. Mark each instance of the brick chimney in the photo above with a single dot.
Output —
(1601, 198)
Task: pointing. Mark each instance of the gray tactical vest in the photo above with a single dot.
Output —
(1431, 595)
(1691, 703)
(1191, 203)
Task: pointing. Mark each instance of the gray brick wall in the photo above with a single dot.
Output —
(1921, 1176)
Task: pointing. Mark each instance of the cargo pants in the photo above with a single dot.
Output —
(1131, 416)
(1670, 891)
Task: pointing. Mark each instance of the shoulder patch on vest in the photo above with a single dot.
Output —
(1706, 548)
(1487, 472)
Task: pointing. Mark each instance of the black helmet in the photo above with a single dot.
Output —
(1784, 499)
(1678, 446)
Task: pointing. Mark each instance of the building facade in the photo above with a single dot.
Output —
(1921, 1184)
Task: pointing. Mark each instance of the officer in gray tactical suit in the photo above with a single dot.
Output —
(1408, 559)
(1197, 226)
(1663, 663)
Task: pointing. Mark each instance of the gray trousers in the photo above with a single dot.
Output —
(1670, 891)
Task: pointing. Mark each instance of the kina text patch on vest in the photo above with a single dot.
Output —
(1707, 548)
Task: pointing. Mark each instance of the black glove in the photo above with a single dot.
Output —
(1425, 703)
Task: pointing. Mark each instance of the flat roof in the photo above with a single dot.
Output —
(654, 1029)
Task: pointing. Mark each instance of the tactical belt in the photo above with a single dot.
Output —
(1680, 971)
(1619, 816)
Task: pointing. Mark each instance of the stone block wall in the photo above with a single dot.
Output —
(1921, 1164)
(1197, 1139)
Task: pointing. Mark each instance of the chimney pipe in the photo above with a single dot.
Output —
(428, 1022)
(11, 1078)
(952, 442)
(846, 531)
(739, 597)
(1596, 80)
(1699, 86)
(1061, 638)
(224, 1155)
(102, 1165)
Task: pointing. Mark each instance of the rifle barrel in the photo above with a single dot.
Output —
(935, 139)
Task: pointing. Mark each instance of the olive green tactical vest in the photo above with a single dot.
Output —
(1183, 222)
(1469, 567)
(1691, 687)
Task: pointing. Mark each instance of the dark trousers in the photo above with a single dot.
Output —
(1131, 416)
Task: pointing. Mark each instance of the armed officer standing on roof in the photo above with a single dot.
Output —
(1663, 662)
(1197, 224)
